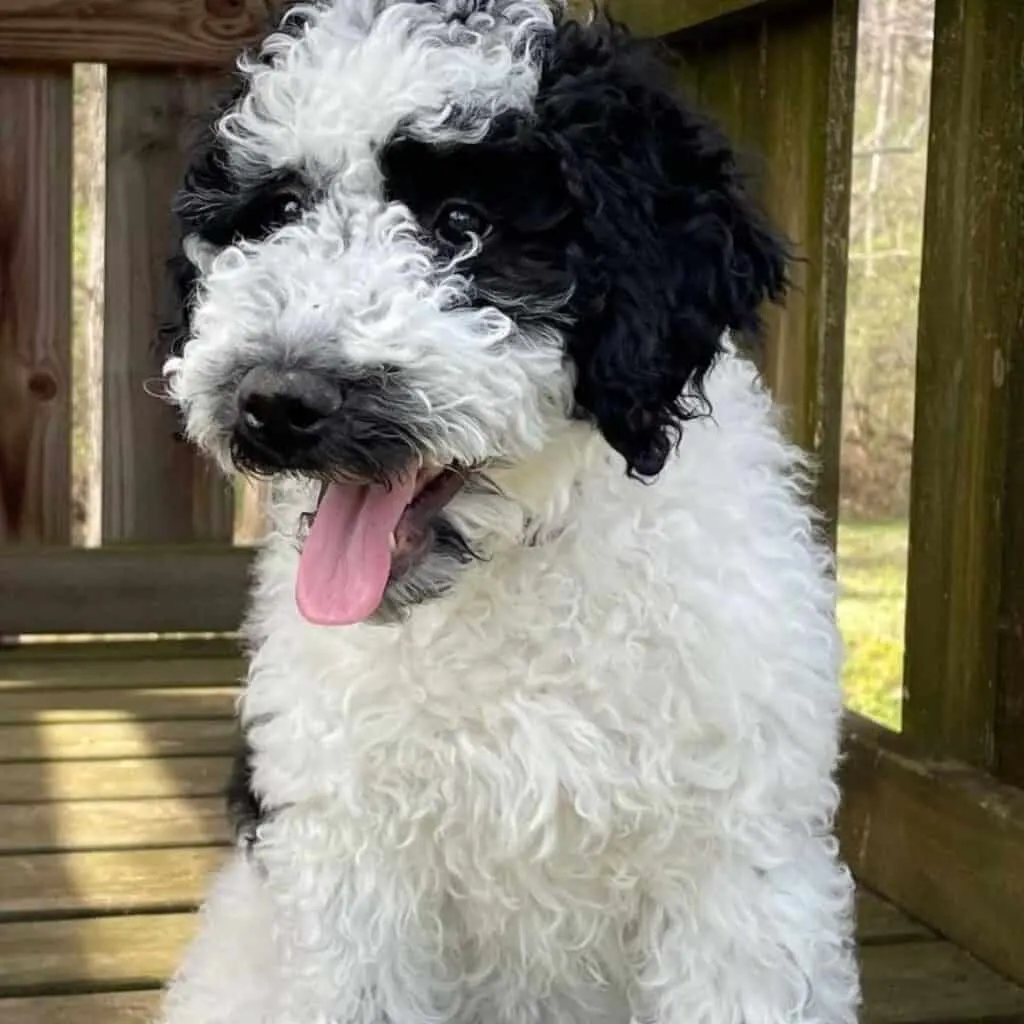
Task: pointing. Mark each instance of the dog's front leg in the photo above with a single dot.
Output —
(231, 972)
(750, 946)
(363, 935)
(261, 957)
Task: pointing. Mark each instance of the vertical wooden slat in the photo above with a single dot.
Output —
(1009, 728)
(783, 86)
(35, 307)
(251, 511)
(969, 373)
(154, 487)
(834, 241)
(810, 73)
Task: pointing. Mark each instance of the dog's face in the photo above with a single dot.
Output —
(433, 239)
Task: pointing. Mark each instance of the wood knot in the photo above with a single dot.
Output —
(225, 8)
(43, 385)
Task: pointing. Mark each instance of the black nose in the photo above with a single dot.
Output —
(285, 409)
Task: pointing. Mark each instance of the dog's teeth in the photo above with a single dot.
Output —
(392, 543)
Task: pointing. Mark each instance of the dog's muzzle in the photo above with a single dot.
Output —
(299, 420)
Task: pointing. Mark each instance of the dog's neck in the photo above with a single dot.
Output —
(547, 487)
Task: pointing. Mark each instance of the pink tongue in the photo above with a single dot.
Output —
(346, 559)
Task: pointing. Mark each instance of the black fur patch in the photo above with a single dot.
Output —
(245, 811)
(621, 211)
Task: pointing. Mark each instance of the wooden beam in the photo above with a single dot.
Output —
(934, 983)
(131, 779)
(970, 375)
(35, 307)
(157, 824)
(38, 675)
(210, 33)
(90, 1008)
(41, 885)
(147, 33)
(54, 659)
(81, 955)
(879, 922)
(1008, 262)
(156, 488)
(653, 18)
(103, 741)
(782, 86)
(943, 842)
(185, 588)
(115, 704)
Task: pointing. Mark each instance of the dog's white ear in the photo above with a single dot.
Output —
(199, 253)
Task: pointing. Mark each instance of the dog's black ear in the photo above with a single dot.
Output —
(204, 184)
(175, 316)
(673, 251)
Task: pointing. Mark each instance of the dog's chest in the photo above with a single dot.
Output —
(523, 829)
(520, 796)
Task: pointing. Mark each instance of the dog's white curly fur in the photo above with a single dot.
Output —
(594, 782)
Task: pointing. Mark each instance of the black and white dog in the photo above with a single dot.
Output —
(531, 742)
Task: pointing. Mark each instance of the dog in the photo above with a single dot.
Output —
(543, 698)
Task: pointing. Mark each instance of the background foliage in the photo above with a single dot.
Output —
(886, 219)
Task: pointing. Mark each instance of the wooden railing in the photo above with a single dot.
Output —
(166, 560)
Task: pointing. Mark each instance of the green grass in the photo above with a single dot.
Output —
(872, 601)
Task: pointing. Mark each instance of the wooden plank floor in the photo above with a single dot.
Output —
(112, 762)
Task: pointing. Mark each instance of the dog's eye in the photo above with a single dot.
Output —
(458, 223)
(284, 207)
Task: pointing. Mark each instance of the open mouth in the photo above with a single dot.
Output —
(363, 535)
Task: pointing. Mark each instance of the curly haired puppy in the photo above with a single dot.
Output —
(543, 700)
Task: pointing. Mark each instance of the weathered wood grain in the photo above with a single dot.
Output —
(209, 33)
(969, 374)
(782, 85)
(945, 843)
(967, 508)
(251, 521)
(934, 983)
(116, 705)
(117, 824)
(833, 249)
(123, 589)
(68, 956)
(880, 922)
(92, 1008)
(172, 33)
(156, 488)
(63, 741)
(35, 306)
(654, 18)
(1004, 256)
(40, 885)
(31, 782)
(103, 675)
(181, 650)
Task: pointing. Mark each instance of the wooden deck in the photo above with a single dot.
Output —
(112, 762)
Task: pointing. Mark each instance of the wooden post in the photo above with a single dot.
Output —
(155, 488)
(967, 500)
(35, 307)
(783, 87)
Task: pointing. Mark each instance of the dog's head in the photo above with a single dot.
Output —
(430, 240)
